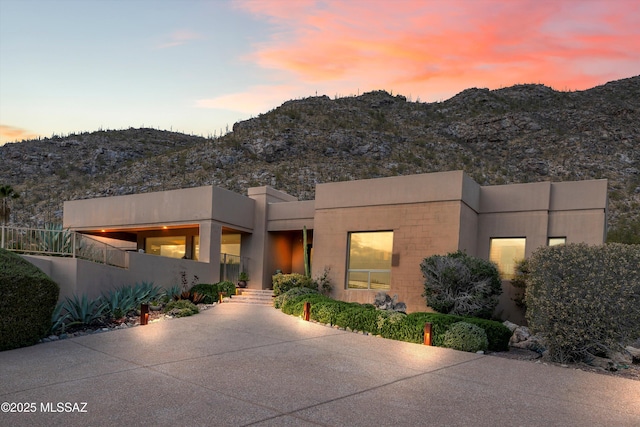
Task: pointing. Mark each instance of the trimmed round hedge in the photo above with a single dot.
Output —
(27, 300)
(465, 336)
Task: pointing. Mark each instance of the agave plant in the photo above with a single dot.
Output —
(127, 298)
(54, 239)
(119, 302)
(194, 297)
(82, 311)
(172, 292)
(146, 291)
(58, 319)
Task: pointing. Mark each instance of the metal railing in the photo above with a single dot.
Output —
(231, 266)
(62, 243)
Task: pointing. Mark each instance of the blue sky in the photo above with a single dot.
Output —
(198, 66)
(78, 65)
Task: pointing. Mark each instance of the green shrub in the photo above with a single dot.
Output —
(465, 336)
(228, 287)
(388, 320)
(181, 308)
(294, 305)
(283, 282)
(279, 301)
(390, 324)
(626, 231)
(327, 311)
(584, 300)
(519, 282)
(209, 291)
(28, 298)
(461, 284)
(358, 318)
(411, 329)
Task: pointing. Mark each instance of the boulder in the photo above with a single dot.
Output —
(634, 352)
(521, 333)
(511, 326)
(603, 363)
(620, 358)
(522, 338)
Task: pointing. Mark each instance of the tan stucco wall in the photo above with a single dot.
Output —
(175, 207)
(468, 238)
(259, 245)
(291, 215)
(579, 226)
(80, 277)
(420, 230)
(440, 186)
(575, 210)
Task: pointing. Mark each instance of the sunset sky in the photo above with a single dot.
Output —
(199, 66)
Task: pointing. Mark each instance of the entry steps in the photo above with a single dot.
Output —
(251, 296)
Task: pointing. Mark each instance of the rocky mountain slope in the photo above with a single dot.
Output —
(523, 133)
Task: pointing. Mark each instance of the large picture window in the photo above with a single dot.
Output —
(169, 246)
(369, 263)
(505, 252)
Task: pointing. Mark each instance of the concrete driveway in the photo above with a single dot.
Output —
(235, 365)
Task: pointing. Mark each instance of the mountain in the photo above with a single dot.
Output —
(523, 133)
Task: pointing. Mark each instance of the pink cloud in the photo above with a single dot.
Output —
(12, 134)
(426, 47)
(254, 100)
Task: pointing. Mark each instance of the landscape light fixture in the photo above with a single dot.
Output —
(427, 333)
(144, 314)
(306, 311)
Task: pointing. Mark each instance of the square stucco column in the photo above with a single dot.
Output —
(258, 244)
(210, 238)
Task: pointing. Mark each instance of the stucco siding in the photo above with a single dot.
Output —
(579, 226)
(391, 191)
(420, 230)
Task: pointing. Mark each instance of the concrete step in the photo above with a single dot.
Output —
(252, 296)
(254, 291)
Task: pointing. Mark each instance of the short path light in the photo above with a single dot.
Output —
(306, 311)
(144, 314)
(427, 333)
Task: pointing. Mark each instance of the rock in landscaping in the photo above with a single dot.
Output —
(511, 326)
(620, 358)
(522, 338)
(634, 352)
(603, 363)
(382, 301)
